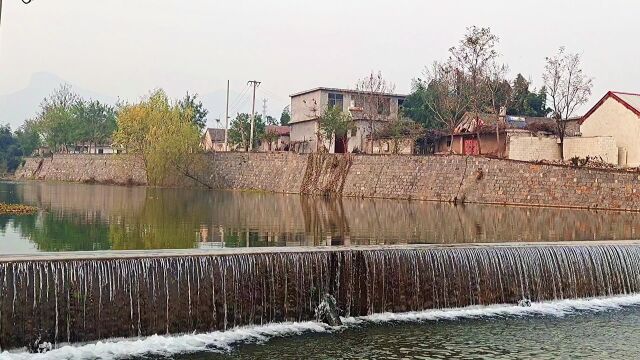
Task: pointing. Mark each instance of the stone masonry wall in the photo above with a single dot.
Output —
(434, 178)
(108, 169)
(274, 172)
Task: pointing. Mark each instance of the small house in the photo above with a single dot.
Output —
(615, 116)
(213, 140)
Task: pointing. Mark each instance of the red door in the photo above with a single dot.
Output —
(471, 147)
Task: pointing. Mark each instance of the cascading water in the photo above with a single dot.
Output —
(84, 300)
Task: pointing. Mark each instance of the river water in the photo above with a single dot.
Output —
(79, 217)
(607, 328)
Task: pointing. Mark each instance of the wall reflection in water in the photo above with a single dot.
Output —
(96, 217)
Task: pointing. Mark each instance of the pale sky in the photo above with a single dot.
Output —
(124, 48)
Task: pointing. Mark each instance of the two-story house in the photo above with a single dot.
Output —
(368, 110)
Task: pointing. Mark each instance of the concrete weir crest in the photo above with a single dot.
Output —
(76, 297)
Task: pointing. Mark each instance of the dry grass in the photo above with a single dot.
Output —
(17, 209)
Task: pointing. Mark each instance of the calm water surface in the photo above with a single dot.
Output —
(79, 217)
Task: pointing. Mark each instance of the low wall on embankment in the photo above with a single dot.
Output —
(104, 169)
(86, 297)
(435, 178)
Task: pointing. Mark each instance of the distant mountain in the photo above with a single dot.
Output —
(23, 104)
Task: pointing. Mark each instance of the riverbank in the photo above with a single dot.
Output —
(460, 179)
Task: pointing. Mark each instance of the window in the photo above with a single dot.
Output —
(384, 106)
(400, 104)
(336, 100)
(354, 132)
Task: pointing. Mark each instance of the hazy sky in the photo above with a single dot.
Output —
(127, 47)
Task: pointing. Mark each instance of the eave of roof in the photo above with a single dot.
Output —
(611, 94)
(321, 88)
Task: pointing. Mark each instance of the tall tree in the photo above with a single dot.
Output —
(197, 112)
(239, 132)
(56, 120)
(163, 134)
(568, 88)
(473, 56)
(28, 137)
(449, 96)
(10, 152)
(499, 96)
(525, 102)
(285, 117)
(415, 105)
(373, 100)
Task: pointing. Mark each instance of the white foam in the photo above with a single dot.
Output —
(552, 308)
(168, 345)
(224, 340)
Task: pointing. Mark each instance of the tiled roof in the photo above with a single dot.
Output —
(216, 135)
(280, 130)
(630, 100)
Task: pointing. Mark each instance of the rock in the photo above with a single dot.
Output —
(327, 311)
(524, 303)
(39, 346)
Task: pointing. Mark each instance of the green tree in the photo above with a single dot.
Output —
(269, 137)
(335, 123)
(56, 121)
(396, 131)
(196, 109)
(525, 102)
(415, 106)
(163, 133)
(28, 137)
(285, 117)
(10, 152)
(239, 132)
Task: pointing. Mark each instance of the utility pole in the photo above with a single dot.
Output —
(226, 121)
(264, 110)
(253, 110)
(23, 1)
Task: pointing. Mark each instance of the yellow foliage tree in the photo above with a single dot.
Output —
(163, 134)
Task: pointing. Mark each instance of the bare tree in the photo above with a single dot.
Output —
(373, 100)
(499, 95)
(448, 96)
(473, 56)
(567, 87)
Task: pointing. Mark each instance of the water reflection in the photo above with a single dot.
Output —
(96, 217)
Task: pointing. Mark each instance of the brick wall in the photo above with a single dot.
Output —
(533, 148)
(113, 169)
(599, 146)
(436, 178)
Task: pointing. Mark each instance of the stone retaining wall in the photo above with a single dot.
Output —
(106, 169)
(435, 178)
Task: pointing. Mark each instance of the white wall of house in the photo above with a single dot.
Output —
(603, 147)
(307, 107)
(615, 120)
(305, 131)
(533, 148)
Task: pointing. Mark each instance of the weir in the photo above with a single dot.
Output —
(85, 297)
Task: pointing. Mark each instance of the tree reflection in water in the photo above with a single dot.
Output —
(96, 217)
